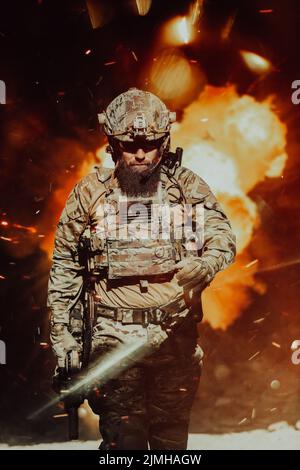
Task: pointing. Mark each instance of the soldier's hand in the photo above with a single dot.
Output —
(194, 274)
(62, 342)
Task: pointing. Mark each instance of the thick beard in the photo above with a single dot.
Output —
(134, 183)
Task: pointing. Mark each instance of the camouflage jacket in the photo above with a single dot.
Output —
(66, 276)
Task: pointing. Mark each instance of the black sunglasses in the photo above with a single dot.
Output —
(146, 145)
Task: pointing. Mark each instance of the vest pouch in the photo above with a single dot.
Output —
(140, 258)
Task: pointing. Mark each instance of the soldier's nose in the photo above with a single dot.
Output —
(140, 155)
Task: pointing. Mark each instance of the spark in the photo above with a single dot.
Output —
(195, 11)
(276, 345)
(243, 421)
(252, 338)
(28, 229)
(266, 11)
(255, 62)
(284, 264)
(23, 227)
(6, 239)
(134, 56)
(254, 355)
(62, 415)
(273, 267)
(225, 33)
(87, 52)
(99, 80)
(110, 63)
(251, 263)
(259, 320)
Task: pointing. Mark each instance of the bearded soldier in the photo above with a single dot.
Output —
(138, 282)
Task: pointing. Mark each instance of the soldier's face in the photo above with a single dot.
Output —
(138, 166)
(140, 156)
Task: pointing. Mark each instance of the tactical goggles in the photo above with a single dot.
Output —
(146, 145)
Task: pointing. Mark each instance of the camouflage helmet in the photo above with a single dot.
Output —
(136, 113)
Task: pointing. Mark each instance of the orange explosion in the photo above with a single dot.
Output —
(233, 142)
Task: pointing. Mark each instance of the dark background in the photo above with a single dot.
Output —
(54, 91)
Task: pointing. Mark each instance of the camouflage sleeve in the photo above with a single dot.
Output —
(66, 274)
(219, 244)
(219, 241)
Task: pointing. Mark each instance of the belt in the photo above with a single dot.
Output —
(142, 316)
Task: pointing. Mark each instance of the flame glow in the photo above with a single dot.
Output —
(173, 78)
(255, 62)
(143, 6)
(59, 197)
(179, 31)
(182, 29)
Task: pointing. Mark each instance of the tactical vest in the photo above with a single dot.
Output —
(114, 252)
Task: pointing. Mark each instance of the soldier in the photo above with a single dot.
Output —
(138, 287)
